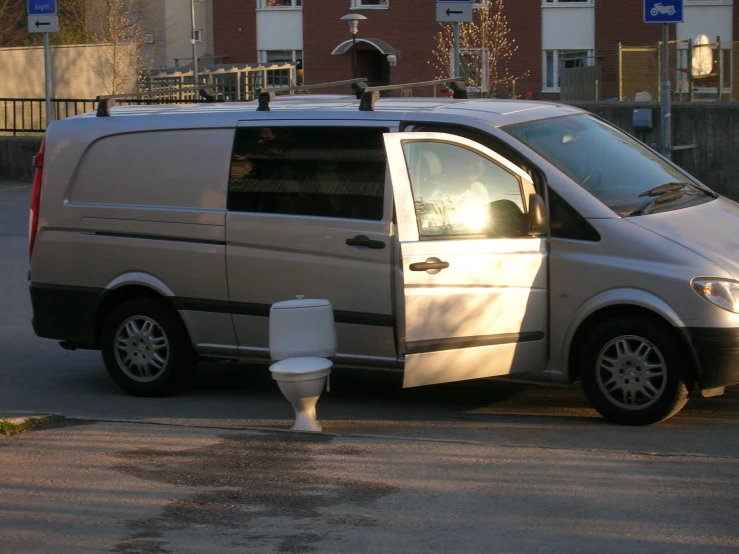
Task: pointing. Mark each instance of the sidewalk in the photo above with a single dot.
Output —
(83, 486)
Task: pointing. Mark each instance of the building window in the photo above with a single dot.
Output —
(281, 78)
(372, 4)
(557, 60)
(269, 4)
(309, 171)
(198, 35)
(566, 3)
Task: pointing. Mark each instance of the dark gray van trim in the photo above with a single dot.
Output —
(155, 237)
(67, 313)
(437, 345)
(64, 312)
(262, 310)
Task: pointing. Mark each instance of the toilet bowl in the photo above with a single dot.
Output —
(301, 380)
(302, 334)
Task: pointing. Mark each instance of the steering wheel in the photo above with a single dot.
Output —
(594, 179)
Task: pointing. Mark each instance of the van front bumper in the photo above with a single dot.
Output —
(716, 352)
(64, 313)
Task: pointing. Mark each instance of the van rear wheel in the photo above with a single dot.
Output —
(146, 348)
(634, 372)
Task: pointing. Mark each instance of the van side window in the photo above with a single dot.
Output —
(566, 223)
(459, 192)
(312, 171)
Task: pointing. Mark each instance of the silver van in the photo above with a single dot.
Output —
(456, 239)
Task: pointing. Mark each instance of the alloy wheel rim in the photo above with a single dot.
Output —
(631, 372)
(141, 348)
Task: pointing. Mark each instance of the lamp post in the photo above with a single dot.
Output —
(194, 44)
(354, 19)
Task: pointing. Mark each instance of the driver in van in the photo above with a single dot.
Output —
(458, 204)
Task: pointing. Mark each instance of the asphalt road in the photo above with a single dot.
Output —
(464, 467)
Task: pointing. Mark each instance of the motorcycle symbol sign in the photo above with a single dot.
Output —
(663, 11)
(659, 8)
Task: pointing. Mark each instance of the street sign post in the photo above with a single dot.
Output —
(41, 7)
(43, 23)
(665, 12)
(42, 18)
(454, 11)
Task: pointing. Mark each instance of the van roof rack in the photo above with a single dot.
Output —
(266, 96)
(105, 103)
(370, 94)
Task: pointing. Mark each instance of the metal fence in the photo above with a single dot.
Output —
(27, 116)
(699, 70)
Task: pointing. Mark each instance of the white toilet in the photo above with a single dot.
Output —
(302, 335)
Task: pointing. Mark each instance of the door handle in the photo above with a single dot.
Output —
(429, 266)
(363, 241)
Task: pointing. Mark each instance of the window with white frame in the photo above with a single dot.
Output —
(198, 35)
(569, 3)
(556, 61)
(373, 4)
(270, 4)
(280, 78)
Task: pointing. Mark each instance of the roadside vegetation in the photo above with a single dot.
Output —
(8, 427)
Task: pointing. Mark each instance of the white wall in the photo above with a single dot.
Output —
(714, 21)
(568, 28)
(178, 27)
(280, 29)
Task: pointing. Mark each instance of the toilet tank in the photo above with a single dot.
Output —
(302, 328)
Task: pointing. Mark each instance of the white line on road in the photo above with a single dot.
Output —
(15, 188)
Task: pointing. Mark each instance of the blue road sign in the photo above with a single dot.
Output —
(41, 7)
(663, 11)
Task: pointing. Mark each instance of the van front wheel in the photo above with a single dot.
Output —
(146, 348)
(634, 372)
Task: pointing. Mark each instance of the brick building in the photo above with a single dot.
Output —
(550, 34)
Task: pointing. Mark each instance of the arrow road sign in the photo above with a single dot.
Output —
(41, 7)
(43, 23)
(459, 11)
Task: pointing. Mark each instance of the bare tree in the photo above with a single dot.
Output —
(486, 49)
(11, 15)
(121, 26)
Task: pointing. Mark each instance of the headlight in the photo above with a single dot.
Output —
(724, 294)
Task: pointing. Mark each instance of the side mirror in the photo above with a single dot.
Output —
(538, 217)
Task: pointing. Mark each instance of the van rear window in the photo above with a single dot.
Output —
(313, 171)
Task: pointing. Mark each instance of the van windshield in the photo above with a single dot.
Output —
(614, 167)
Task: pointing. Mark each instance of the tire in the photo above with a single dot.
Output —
(634, 371)
(146, 348)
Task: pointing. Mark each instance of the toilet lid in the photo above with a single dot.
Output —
(297, 366)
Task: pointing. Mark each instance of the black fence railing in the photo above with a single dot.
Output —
(27, 116)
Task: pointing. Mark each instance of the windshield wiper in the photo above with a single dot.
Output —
(667, 193)
(670, 187)
(661, 199)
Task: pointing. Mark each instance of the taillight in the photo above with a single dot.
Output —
(38, 164)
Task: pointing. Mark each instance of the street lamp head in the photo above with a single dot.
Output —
(353, 19)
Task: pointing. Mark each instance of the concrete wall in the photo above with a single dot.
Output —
(714, 128)
(75, 72)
